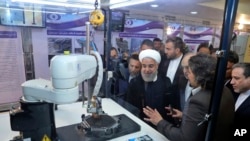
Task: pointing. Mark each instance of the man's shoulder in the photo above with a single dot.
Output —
(136, 80)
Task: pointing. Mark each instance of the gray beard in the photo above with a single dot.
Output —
(150, 77)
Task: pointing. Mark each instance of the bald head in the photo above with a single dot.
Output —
(184, 62)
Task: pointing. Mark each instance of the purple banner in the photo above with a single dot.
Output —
(8, 34)
(68, 24)
(66, 33)
(148, 26)
(190, 41)
(137, 35)
(196, 34)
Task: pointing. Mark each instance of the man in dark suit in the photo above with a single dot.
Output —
(148, 88)
(134, 68)
(241, 84)
(171, 67)
(201, 74)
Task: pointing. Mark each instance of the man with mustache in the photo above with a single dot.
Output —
(241, 84)
(149, 88)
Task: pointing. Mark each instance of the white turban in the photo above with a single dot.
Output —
(150, 53)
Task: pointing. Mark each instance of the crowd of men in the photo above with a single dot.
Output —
(172, 88)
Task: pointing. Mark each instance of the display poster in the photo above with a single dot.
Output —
(135, 32)
(194, 35)
(12, 73)
(247, 52)
(65, 32)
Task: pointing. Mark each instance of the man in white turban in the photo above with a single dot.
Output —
(150, 60)
(149, 88)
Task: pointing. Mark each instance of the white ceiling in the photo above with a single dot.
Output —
(208, 10)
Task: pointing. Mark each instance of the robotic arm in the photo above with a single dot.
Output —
(67, 72)
(35, 116)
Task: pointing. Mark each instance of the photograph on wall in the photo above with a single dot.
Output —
(59, 45)
(122, 45)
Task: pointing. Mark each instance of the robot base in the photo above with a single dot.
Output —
(104, 129)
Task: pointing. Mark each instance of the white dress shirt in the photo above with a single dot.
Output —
(188, 91)
(242, 97)
(172, 68)
(196, 90)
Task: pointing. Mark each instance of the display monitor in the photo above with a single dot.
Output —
(33, 16)
(117, 22)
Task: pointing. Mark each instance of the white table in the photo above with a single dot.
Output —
(69, 114)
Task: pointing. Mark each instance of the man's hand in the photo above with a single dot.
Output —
(153, 115)
(175, 113)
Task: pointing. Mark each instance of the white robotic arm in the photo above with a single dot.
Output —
(67, 72)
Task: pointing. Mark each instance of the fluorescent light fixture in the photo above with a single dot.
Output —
(78, 5)
(129, 3)
(194, 12)
(240, 26)
(154, 5)
(60, 0)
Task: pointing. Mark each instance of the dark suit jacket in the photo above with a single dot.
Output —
(123, 82)
(178, 84)
(242, 120)
(194, 112)
(156, 96)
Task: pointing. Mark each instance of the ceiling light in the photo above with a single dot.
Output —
(78, 5)
(240, 26)
(194, 12)
(154, 5)
(129, 3)
(60, 0)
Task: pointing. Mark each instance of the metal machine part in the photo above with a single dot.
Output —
(101, 126)
(34, 121)
(105, 128)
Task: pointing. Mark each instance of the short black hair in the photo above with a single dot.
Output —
(113, 48)
(134, 56)
(148, 43)
(245, 67)
(178, 43)
(233, 57)
(157, 39)
(204, 45)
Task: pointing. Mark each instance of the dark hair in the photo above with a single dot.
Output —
(245, 67)
(233, 57)
(134, 56)
(203, 67)
(204, 45)
(113, 48)
(157, 39)
(148, 43)
(178, 43)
